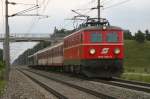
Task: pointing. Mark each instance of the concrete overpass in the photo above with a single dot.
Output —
(31, 37)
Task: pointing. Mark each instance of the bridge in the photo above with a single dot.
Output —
(30, 37)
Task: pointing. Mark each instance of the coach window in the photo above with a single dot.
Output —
(112, 37)
(96, 37)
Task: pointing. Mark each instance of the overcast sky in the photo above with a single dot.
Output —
(132, 15)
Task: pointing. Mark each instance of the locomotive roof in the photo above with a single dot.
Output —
(96, 28)
(101, 27)
(46, 49)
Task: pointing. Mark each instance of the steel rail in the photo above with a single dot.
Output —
(132, 82)
(126, 84)
(89, 91)
(55, 93)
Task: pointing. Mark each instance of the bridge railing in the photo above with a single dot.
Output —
(27, 35)
(30, 37)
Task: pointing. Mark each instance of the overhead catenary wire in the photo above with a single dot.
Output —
(83, 9)
(14, 3)
(27, 10)
(44, 4)
(117, 4)
(103, 2)
(33, 19)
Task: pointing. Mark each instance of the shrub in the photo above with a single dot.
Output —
(140, 37)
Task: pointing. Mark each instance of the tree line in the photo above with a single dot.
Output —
(139, 36)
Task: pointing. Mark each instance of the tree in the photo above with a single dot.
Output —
(1, 55)
(55, 30)
(147, 35)
(128, 35)
(140, 37)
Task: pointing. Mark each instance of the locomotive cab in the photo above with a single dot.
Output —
(103, 51)
(95, 51)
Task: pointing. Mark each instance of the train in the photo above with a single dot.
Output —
(94, 51)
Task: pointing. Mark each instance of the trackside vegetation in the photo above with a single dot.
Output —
(137, 61)
(2, 70)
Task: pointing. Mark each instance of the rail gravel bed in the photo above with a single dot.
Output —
(89, 91)
(132, 82)
(67, 91)
(114, 91)
(126, 84)
(21, 87)
(57, 94)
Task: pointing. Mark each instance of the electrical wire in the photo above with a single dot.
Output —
(35, 21)
(90, 2)
(45, 6)
(117, 4)
(20, 3)
(27, 10)
(83, 9)
(105, 2)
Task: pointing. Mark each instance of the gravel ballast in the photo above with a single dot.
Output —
(69, 92)
(118, 92)
(21, 87)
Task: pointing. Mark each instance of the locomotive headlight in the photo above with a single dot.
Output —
(92, 51)
(117, 51)
(104, 27)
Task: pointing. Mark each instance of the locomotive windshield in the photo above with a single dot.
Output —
(112, 37)
(96, 37)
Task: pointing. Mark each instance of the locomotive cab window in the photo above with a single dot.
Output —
(112, 37)
(96, 37)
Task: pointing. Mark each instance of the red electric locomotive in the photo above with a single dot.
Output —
(95, 51)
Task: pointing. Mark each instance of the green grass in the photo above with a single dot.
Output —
(137, 60)
(2, 85)
(137, 77)
(137, 57)
(2, 81)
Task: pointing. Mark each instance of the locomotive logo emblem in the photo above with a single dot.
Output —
(105, 50)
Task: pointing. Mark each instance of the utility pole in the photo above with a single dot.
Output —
(6, 42)
(99, 8)
(6, 51)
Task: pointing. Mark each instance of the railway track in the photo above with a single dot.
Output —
(55, 93)
(138, 86)
(89, 91)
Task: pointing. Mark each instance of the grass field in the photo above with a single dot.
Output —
(137, 61)
(2, 81)
(2, 85)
